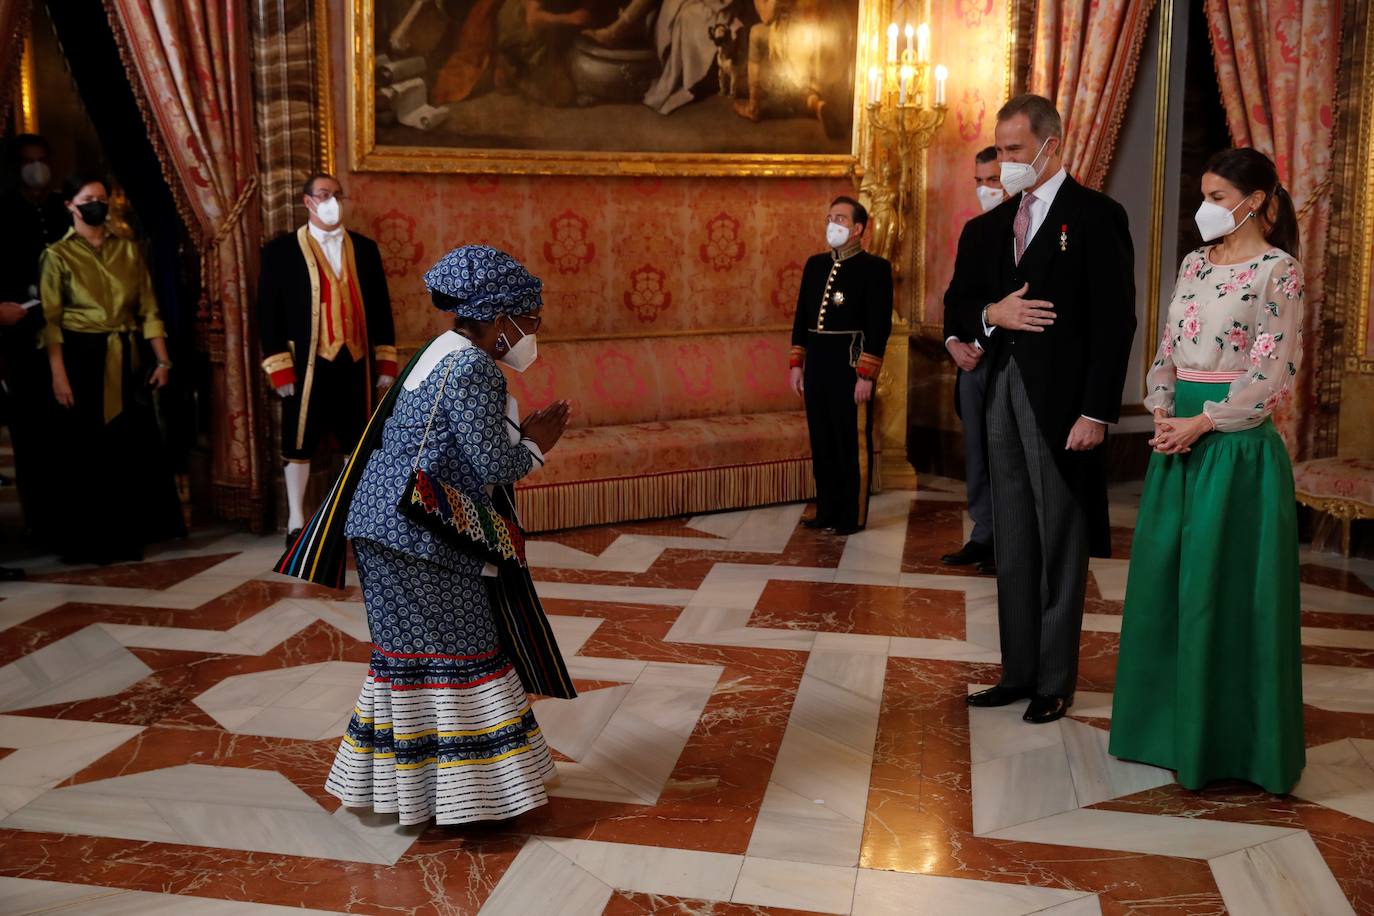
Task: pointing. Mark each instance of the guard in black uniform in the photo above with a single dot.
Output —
(839, 335)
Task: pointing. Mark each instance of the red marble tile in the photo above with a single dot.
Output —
(876, 610)
(156, 574)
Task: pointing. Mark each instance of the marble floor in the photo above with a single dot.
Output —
(770, 720)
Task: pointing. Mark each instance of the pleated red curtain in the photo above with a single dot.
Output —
(190, 65)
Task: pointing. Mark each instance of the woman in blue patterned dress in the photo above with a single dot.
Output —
(443, 727)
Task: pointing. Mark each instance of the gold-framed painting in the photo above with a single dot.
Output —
(605, 87)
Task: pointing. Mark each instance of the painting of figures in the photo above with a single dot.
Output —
(605, 85)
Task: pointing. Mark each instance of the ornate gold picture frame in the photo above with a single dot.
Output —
(490, 94)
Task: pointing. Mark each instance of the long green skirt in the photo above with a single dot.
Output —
(1209, 678)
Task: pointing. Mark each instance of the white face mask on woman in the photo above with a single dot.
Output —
(1213, 220)
(523, 353)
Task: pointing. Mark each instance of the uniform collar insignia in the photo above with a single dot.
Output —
(850, 249)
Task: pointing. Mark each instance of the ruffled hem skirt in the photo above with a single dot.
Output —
(443, 736)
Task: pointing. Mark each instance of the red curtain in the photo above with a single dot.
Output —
(188, 60)
(1276, 66)
(1083, 58)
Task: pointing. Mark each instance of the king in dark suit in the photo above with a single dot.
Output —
(324, 319)
(1055, 312)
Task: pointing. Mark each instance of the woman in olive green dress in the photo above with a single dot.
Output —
(1209, 679)
(117, 490)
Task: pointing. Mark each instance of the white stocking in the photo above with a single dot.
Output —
(297, 476)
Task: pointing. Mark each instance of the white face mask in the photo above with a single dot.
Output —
(1213, 220)
(329, 211)
(36, 174)
(520, 356)
(989, 197)
(836, 235)
(1018, 176)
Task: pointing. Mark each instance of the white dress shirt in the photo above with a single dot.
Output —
(331, 243)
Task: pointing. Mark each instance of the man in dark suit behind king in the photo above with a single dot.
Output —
(1055, 313)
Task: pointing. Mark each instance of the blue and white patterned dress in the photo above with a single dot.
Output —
(443, 727)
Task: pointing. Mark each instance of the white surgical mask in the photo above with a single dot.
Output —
(329, 211)
(36, 174)
(989, 197)
(836, 235)
(520, 356)
(1018, 176)
(1213, 220)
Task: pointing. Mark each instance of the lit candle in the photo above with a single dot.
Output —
(901, 86)
(910, 33)
(941, 76)
(874, 77)
(923, 43)
(892, 43)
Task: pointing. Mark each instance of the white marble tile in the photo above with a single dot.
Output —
(1277, 878)
(348, 617)
(653, 869)
(756, 638)
(86, 664)
(303, 724)
(624, 670)
(262, 829)
(768, 528)
(615, 594)
(641, 742)
(955, 650)
(1020, 788)
(1001, 732)
(798, 885)
(1337, 776)
(543, 881)
(570, 726)
(89, 813)
(1091, 704)
(271, 627)
(625, 554)
(1088, 905)
(1338, 639)
(184, 639)
(578, 781)
(1098, 776)
(1338, 689)
(1188, 837)
(888, 893)
(24, 896)
(793, 828)
(720, 524)
(12, 798)
(816, 766)
(1102, 623)
(1110, 576)
(1334, 601)
(572, 633)
(47, 764)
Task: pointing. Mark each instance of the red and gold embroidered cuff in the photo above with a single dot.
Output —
(280, 368)
(386, 359)
(869, 365)
(796, 357)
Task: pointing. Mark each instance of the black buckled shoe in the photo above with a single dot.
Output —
(1043, 710)
(998, 696)
(970, 553)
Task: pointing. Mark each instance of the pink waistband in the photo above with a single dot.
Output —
(1212, 378)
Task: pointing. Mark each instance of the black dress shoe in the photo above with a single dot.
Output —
(1043, 710)
(291, 537)
(997, 696)
(987, 567)
(815, 523)
(970, 553)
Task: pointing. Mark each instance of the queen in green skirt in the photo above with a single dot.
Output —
(1209, 678)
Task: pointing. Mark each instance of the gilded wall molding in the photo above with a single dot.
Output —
(1352, 218)
(1158, 179)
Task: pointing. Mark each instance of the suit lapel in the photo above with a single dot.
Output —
(1045, 244)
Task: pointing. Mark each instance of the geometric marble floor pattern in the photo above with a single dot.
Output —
(769, 720)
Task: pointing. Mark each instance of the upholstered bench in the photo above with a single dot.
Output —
(665, 426)
(1341, 487)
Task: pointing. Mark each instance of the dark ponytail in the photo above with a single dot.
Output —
(1249, 171)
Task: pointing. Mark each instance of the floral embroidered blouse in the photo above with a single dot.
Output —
(1233, 318)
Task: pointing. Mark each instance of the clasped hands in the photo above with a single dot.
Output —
(545, 426)
(1176, 435)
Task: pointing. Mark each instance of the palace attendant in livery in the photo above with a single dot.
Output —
(839, 334)
(324, 317)
(443, 727)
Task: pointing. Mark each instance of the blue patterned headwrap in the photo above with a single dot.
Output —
(485, 283)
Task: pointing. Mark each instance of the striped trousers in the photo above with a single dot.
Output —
(1041, 538)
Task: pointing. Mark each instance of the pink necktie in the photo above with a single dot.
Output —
(1021, 225)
